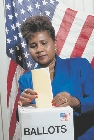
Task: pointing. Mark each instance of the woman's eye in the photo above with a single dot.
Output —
(44, 43)
(32, 46)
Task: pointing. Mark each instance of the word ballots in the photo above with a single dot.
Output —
(46, 123)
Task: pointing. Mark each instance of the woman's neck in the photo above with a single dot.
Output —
(51, 66)
(52, 69)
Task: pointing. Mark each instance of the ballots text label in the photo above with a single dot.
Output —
(45, 131)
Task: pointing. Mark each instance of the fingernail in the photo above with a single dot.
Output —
(30, 100)
(36, 93)
(53, 104)
(20, 103)
(52, 101)
(36, 96)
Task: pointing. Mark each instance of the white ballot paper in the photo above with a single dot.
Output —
(46, 123)
(42, 85)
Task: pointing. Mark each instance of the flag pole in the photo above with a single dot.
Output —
(3, 76)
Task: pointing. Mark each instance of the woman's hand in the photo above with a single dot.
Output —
(65, 99)
(27, 96)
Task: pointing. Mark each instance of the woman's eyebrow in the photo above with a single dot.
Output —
(43, 40)
(32, 43)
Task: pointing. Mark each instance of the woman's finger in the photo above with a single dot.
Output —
(28, 96)
(19, 103)
(63, 105)
(24, 99)
(30, 91)
(62, 101)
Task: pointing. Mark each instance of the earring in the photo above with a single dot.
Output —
(56, 49)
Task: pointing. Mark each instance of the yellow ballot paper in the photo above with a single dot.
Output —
(42, 85)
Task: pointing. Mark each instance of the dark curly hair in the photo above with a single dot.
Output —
(36, 24)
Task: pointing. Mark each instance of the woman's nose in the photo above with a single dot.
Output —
(39, 48)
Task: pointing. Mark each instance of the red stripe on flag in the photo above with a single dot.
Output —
(83, 37)
(65, 28)
(92, 62)
(11, 72)
(13, 119)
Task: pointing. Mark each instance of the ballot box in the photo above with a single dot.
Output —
(46, 123)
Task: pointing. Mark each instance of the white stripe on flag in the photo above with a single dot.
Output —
(14, 91)
(7, 63)
(58, 16)
(73, 35)
(89, 50)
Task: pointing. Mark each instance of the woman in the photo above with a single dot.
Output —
(72, 79)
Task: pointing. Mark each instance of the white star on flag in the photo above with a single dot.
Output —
(10, 17)
(26, 54)
(8, 6)
(11, 51)
(29, 64)
(23, 44)
(29, 8)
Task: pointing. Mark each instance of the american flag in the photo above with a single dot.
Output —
(74, 34)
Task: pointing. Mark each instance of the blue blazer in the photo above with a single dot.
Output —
(75, 76)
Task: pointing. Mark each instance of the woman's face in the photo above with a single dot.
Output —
(42, 48)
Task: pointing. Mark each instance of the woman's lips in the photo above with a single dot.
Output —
(41, 57)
